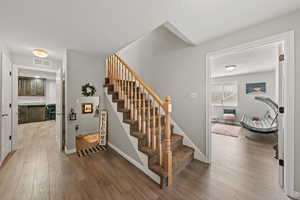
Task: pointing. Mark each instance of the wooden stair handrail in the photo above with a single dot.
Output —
(145, 85)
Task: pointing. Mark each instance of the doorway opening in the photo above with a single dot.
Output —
(36, 104)
(250, 101)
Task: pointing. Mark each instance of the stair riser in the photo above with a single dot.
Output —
(106, 80)
(183, 164)
(164, 181)
(176, 144)
(155, 160)
(110, 89)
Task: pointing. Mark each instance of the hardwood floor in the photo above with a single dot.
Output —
(38, 171)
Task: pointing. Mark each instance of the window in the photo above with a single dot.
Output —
(224, 94)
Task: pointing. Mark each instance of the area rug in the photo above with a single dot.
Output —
(91, 150)
(225, 129)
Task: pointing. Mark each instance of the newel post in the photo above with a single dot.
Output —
(167, 158)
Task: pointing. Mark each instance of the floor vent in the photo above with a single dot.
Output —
(91, 150)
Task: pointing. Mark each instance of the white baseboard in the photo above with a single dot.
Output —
(70, 151)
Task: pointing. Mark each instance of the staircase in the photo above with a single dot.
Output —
(149, 118)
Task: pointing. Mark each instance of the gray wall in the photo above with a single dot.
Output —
(246, 102)
(81, 69)
(117, 135)
(172, 68)
(1, 104)
(164, 67)
(88, 123)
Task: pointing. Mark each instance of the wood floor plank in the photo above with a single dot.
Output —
(242, 169)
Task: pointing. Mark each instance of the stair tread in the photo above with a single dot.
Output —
(129, 121)
(178, 157)
(123, 110)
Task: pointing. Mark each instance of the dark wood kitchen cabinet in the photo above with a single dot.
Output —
(28, 86)
(31, 113)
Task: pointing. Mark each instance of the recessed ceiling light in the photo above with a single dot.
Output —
(37, 77)
(230, 67)
(41, 53)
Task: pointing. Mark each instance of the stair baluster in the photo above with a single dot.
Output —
(154, 130)
(135, 100)
(117, 76)
(113, 72)
(144, 112)
(146, 109)
(128, 89)
(149, 122)
(132, 98)
(109, 70)
(123, 84)
(159, 145)
(139, 109)
(168, 151)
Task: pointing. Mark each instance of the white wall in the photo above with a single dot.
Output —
(246, 102)
(175, 69)
(3, 50)
(80, 69)
(50, 92)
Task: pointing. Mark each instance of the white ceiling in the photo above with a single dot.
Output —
(101, 27)
(249, 61)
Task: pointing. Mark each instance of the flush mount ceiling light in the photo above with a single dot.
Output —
(41, 53)
(230, 67)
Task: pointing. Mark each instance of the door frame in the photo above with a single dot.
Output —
(288, 39)
(7, 60)
(15, 72)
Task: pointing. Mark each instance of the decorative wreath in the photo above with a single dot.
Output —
(88, 90)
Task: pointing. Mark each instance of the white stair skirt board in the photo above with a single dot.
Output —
(198, 155)
(134, 142)
(70, 151)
